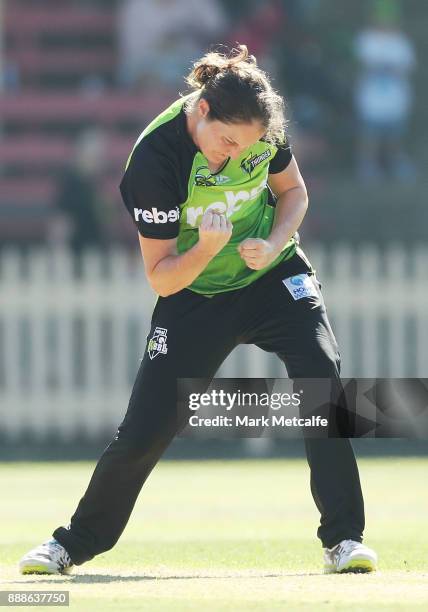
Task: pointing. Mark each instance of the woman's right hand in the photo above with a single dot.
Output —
(215, 231)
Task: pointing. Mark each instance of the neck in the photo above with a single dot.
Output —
(191, 125)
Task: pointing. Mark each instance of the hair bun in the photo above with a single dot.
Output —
(214, 63)
(204, 72)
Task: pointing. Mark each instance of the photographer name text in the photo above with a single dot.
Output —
(263, 421)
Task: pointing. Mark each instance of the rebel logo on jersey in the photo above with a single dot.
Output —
(157, 216)
(231, 203)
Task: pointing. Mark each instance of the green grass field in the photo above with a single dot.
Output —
(223, 535)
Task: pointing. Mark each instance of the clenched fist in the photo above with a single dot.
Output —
(215, 231)
(257, 253)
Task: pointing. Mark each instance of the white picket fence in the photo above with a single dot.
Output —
(70, 344)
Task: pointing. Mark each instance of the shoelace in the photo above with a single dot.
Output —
(347, 546)
(63, 556)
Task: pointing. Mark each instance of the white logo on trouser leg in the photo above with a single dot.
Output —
(301, 286)
(157, 343)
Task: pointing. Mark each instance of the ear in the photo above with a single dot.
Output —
(203, 107)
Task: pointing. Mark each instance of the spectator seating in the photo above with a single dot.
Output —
(32, 108)
(62, 42)
(64, 55)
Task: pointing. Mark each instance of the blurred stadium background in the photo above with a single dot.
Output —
(79, 80)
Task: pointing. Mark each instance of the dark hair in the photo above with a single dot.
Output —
(238, 91)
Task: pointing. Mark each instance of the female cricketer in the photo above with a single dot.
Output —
(217, 197)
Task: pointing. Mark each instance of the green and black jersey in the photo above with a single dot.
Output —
(168, 186)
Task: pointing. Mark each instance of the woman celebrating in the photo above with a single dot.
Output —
(217, 197)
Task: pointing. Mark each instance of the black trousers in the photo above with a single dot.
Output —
(190, 337)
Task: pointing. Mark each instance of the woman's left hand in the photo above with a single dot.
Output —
(257, 253)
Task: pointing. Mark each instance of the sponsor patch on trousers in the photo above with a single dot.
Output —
(301, 286)
(158, 343)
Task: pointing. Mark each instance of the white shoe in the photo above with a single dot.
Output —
(48, 558)
(349, 556)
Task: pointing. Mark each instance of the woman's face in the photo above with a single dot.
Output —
(217, 140)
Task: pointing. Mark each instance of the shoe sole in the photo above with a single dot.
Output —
(356, 566)
(42, 569)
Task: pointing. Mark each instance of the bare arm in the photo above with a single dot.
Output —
(291, 207)
(167, 271)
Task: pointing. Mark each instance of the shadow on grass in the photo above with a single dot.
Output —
(105, 578)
